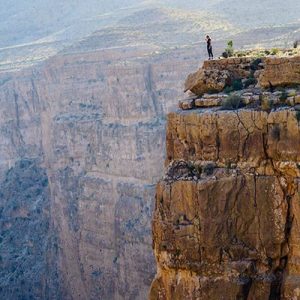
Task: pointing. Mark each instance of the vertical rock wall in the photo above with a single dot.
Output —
(94, 122)
(225, 223)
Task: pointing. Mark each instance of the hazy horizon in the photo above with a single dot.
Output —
(38, 20)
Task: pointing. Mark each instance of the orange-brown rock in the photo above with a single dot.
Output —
(209, 80)
(227, 215)
(249, 138)
(226, 229)
(280, 72)
(215, 75)
(238, 67)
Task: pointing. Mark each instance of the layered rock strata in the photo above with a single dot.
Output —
(280, 72)
(288, 97)
(93, 123)
(227, 213)
(215, 75)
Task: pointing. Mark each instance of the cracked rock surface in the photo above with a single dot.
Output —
(269, 72)
(226, 221)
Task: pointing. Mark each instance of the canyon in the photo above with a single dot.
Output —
(82, 140)
(84, 134)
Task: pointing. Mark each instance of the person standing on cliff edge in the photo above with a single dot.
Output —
(209, 47)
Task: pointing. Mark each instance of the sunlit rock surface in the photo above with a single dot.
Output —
(226, 215)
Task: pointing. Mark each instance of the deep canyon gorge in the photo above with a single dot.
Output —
(83, 145)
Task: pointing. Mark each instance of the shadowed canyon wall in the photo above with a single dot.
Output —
(93, 124)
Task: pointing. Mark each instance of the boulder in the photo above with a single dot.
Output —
(205, 81)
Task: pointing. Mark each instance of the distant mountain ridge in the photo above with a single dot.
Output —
(35, 30)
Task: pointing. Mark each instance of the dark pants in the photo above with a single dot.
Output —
(210, 53)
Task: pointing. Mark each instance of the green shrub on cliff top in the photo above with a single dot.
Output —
(284, 95)
(237, 85)
(229, 51)
(255, 63)
(232, 102)
(250, 81)
(274, 51)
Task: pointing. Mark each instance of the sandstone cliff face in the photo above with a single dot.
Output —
(226, 215)
(281, 72)
(94, 124)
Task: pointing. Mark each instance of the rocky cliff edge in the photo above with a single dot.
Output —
(227, 217)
